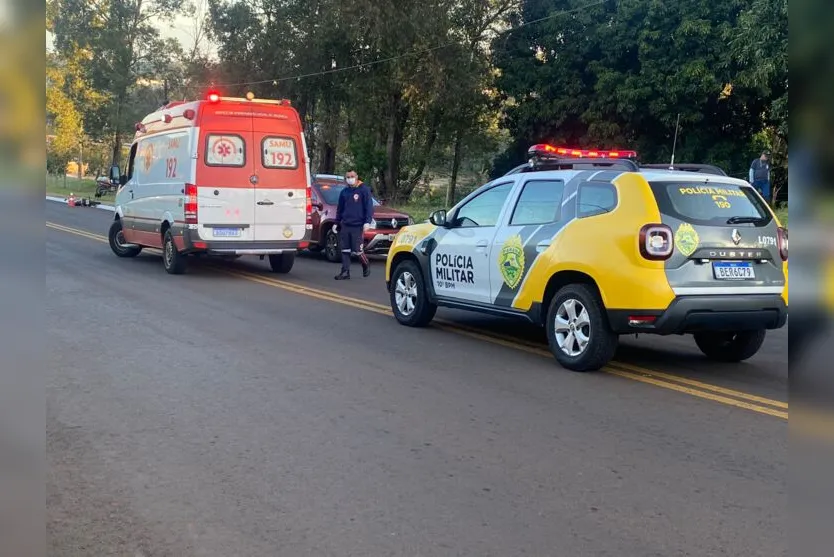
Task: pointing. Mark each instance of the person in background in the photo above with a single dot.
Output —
(760, 175)
(354, 213)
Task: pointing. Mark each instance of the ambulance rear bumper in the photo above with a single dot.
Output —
(192, 243)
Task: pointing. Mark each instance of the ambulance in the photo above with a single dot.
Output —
(219, 176)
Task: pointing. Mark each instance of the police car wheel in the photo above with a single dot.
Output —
(172, 259)
(282, 262)
(409, 301)
(577, 329)
(116, 238)
(730, 346)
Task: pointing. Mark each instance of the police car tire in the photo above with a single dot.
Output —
(424, 310)
(282, 262)
(730, 347)
(174, 263)
(120, 251)
(603, 342)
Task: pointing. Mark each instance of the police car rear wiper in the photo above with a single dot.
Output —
(745, 220)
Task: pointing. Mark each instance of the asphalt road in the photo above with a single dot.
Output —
(235, 412)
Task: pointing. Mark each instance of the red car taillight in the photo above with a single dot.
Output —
(782, 239)
(190, 204)
(309, 206)
(656, 242)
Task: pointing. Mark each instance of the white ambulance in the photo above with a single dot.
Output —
(222, 176)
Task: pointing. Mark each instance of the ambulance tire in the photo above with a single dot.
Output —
(730, 347)
(407, 282)
(580, 311)
(116, 239)
(282, 262)
(173, 261)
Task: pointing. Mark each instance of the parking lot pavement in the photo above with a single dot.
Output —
(230, 411)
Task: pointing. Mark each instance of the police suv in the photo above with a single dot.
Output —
(592, 245)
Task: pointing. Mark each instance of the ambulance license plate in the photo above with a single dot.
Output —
(735, 270)
(226, 232)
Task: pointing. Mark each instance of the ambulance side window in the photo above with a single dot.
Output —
(131, 161)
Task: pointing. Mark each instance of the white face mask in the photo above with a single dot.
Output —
(351, 181)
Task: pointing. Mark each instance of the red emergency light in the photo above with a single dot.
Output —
(213, 97)
(543, 149)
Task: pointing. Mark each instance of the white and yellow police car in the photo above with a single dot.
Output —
(591, 245)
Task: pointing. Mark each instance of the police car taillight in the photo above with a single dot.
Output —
(543, 149)
(190, 204)
(656, 242)
(782, 240)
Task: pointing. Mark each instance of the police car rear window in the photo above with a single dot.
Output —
(709, 204)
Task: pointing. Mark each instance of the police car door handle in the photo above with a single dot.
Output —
(543, 245)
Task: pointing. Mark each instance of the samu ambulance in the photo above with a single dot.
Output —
(222, 177)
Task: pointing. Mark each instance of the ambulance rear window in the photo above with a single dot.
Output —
(279, 152)
(710, 203)
(225, 150)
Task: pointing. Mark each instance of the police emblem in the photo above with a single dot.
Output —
(511, 261)
(686, 239)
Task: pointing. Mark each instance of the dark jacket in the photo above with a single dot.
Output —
(356, 206)
(759, 171)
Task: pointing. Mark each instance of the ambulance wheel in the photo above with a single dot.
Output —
(409, 298)
(282, 262)
(577, 329)
(117, 241)
(331, 247)
(172, 259)
(730, 346)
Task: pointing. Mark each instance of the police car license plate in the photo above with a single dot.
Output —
(725, 270)
(226, 232)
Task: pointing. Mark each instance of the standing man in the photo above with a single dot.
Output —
(760, 175)
(353, 217)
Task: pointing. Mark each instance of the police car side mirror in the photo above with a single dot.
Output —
(438, 218)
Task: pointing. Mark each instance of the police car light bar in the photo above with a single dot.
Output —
(544, 150)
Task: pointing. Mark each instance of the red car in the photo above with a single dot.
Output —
(325, 193)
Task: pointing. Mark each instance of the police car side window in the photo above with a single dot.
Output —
(596, 198)
(540, 202)
(484, 209)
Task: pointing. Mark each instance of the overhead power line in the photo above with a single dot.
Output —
(276, 80)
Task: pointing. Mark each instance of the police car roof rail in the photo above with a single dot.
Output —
(541, 164)
(687, 167)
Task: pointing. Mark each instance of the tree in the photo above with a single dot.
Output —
(120, 42)
(619, 74)
(64, 120)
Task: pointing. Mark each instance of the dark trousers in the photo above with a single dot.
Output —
(353, 242)
(764, 188)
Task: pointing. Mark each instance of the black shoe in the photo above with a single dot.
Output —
(344, 275)
(366, 271)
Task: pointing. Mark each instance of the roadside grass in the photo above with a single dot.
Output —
(57, 186)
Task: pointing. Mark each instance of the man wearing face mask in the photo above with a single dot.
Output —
(353, 216)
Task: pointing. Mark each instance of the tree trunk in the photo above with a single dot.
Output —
(450, 192)
(393, 147)
(431, 137)
(117, 134)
